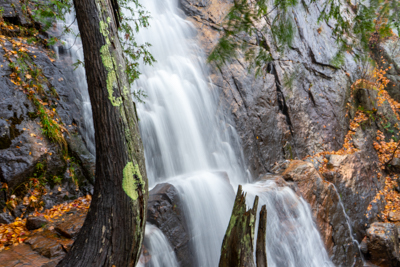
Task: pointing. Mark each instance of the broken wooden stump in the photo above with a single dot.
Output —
(238, 245)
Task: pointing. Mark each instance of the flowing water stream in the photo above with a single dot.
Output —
(189, 144)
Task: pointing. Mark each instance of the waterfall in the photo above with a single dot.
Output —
(187, 143)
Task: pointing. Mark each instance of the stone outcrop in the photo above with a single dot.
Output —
(383, 244)
(358, 179)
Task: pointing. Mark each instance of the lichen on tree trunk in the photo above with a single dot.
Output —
(238, 245)
(113, 231)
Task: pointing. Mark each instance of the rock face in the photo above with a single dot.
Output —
(279, 120)
(165, 211)
(276, 120)
(327, 210)
(387, 55)
(356, 179)
(23, 144)
(383, 244)
(12, 13)
(25, 150)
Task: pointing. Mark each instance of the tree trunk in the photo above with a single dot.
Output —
(261, 252)
(237, 247)
(113, 231)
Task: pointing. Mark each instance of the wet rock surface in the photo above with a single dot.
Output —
(25, 151)
(71, 227)
(327, 210)
(165, 211)
(46, 245)
(304, 118)
(33, 223)
(357, 180)
(23, 255)
(6, 218)
(383, 244)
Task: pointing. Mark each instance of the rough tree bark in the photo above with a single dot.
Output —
(113, 231)
(237, 247)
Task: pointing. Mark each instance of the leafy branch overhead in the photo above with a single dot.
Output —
(133, 17)
(130, 16)
(252, 26)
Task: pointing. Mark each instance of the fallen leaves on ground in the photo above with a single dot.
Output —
(16, 232)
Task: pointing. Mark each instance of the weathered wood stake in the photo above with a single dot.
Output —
(237, 248)
(261, 252)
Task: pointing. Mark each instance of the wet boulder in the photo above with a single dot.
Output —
(6, 218)
(33, 223)
(383, 244)
(394, 216)
(165, 211)
(46, 244)
(71, 227)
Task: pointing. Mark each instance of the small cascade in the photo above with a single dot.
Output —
(208, 201)
(159, 253)
(349, 224)
(292, 238)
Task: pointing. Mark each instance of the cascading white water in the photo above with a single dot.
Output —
(160, 252)
(292, 239)
(186, 143)
(178, 121)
